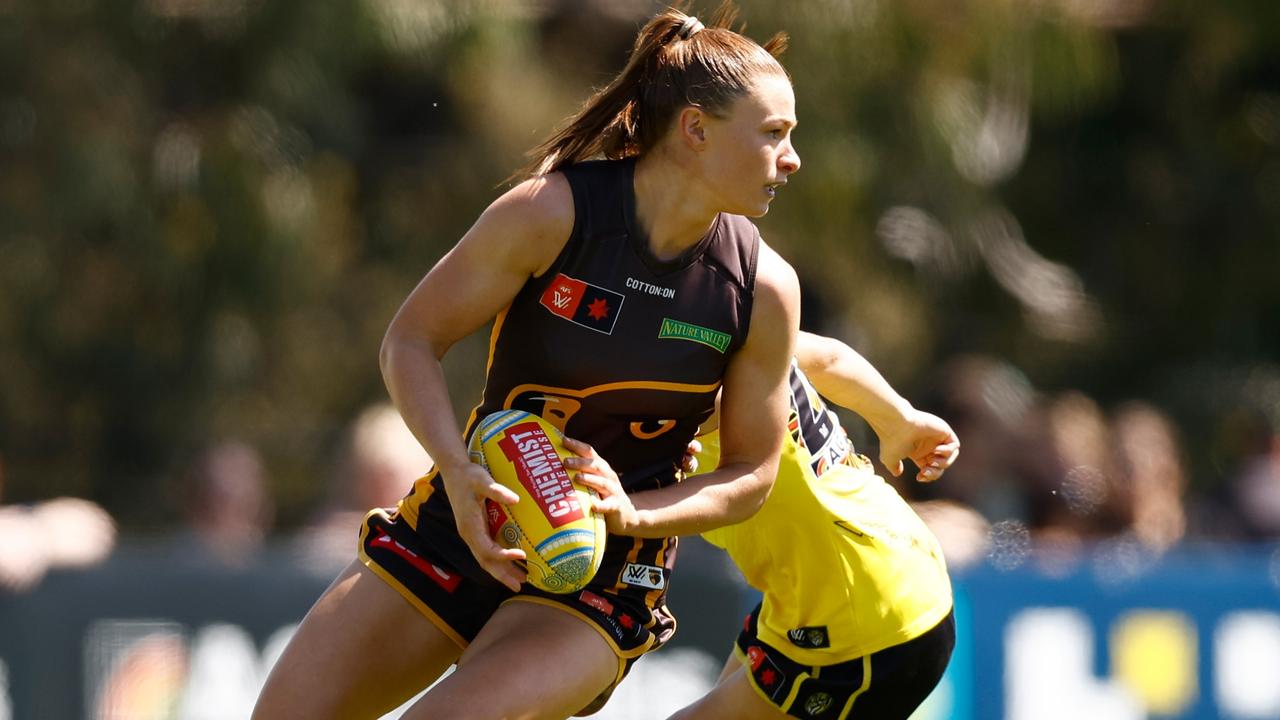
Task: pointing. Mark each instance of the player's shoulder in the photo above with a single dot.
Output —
(774, 269)
(541, 205)
(534, 218)
(776, 280)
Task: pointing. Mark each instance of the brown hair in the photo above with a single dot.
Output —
(668, 70)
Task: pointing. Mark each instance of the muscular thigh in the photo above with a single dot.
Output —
(361, 651)
(530, 661)
(732, 697)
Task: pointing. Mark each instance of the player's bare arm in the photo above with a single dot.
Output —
(518, 236)
(848, 379)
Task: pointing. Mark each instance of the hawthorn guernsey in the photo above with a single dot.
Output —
(563, 538)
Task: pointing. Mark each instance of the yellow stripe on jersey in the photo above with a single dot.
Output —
(519, 390)
(814, 530)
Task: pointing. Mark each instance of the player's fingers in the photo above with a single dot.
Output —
(936, 465)
(695, 446)
(579, 448)
(495, 559)
(948, 449)
(500, 493)
(939, 461)
(505, 573)
(892, 463)
(581, 464)
(511, 554)
(690, 464)
(598, 483)
(605, 505)
(476, 536)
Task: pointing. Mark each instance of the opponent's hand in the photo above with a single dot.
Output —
(689, 464)
(927, 440)
(620, 515)
(468, 486)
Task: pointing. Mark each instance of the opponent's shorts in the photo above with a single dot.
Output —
(460, 601)
(886, 685)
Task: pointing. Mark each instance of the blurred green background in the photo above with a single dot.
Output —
(210, 209)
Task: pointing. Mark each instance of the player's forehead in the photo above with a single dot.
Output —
(769, 99)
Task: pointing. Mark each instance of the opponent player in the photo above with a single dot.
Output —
(625, 294)
(856, 620)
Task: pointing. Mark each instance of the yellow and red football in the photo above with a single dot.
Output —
(555, 521)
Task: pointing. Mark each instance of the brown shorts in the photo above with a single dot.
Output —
(461, 600)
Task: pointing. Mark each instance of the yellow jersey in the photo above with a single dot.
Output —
(846, 567)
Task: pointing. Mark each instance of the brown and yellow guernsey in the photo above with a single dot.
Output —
(620, 350)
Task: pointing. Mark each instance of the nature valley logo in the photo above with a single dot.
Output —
(688, 331)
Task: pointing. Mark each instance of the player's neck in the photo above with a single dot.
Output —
(670, 208)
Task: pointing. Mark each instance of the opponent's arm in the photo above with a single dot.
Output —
(845, 378)
(518, 236)
(753, 417)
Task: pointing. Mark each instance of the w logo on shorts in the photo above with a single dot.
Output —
(643, 575)
(809, 637)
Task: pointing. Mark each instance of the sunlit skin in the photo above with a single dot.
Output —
(749, 154)
(706, 164)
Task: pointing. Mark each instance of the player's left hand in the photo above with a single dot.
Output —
(689, 463)
(620, 515)
(925, 439)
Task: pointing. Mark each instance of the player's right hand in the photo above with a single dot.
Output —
(468, 486)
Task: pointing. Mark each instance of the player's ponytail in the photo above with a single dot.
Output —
(675, 62)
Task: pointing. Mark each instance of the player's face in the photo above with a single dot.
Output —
(749, 153)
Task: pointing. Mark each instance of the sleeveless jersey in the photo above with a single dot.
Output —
(845, 565)
(619, 349)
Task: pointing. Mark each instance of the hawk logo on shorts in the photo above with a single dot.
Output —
(817, 703)
(809, 637)
(643, 575)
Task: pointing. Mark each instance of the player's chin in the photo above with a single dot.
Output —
(757, 209)
(754, 210)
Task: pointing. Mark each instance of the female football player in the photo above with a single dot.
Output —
(855, 619)
(625, 293)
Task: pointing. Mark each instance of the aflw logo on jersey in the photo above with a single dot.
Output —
(582, 303)
(541, 472)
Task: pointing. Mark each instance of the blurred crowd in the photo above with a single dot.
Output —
(1057, 473)
(1041, 475)
(62, 532)
(224, 505)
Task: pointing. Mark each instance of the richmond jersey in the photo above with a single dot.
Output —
(619, 349)
(845, 565)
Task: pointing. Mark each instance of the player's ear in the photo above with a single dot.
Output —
(691, 124)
